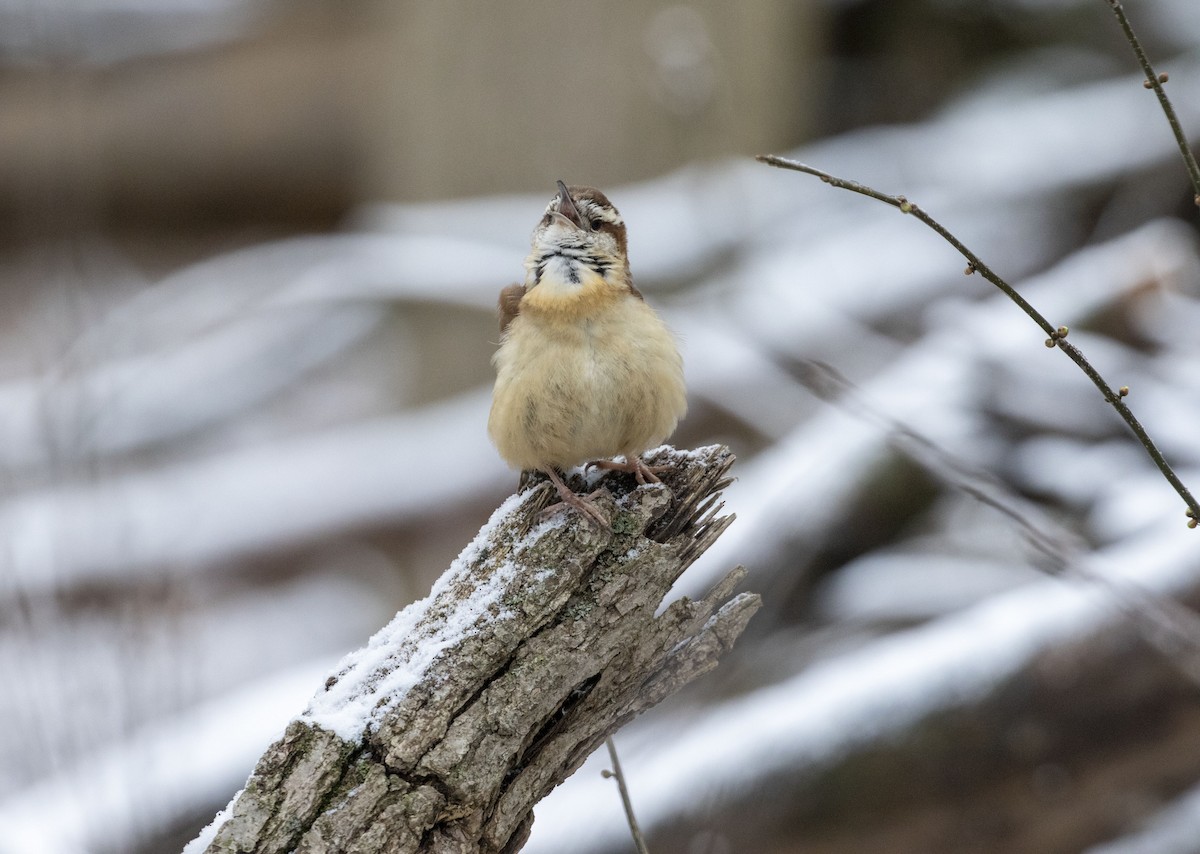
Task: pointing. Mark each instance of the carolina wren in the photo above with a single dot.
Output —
(586, 370)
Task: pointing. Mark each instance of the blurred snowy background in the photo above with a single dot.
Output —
(249, 252)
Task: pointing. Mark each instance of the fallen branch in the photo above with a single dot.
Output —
(472, 705)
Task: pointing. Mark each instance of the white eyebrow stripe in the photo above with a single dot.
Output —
(607, 214)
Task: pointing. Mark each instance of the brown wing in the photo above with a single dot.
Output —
(510, 305)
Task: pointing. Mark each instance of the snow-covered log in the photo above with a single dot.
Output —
(544, 637)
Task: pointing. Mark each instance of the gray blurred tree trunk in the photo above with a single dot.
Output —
(571, 650)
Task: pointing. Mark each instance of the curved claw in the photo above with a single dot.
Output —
(589, 510)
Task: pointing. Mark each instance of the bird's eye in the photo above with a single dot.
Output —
(596, 223)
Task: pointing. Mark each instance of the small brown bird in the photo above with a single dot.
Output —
(586, 370)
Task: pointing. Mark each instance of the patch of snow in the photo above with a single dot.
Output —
(243, 501)
(118, 404)
(160, 775)
(901, 586)
(1173, 830)
(86, 678)
(210, 831)
(372, 680)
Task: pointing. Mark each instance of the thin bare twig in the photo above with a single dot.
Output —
(619, 776)
(1155, 81)
(1057, 335)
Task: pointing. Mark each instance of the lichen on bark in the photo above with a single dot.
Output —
(487, 720)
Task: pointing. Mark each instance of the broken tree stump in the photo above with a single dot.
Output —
(469, 707)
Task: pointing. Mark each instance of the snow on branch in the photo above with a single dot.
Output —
(543, 638)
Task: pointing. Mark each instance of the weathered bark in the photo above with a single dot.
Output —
(540, 641)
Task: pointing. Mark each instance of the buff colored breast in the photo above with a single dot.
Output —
(586, 377)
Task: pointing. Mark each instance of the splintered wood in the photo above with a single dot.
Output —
(540, 641)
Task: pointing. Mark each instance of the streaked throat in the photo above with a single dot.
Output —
(567, 270)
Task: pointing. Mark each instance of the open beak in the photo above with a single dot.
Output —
(566, 206)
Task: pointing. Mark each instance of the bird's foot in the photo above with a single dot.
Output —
(588, 509)
(634, 465)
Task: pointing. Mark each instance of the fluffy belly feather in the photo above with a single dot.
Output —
(570, 390)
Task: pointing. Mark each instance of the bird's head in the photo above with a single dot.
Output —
(580, 236)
